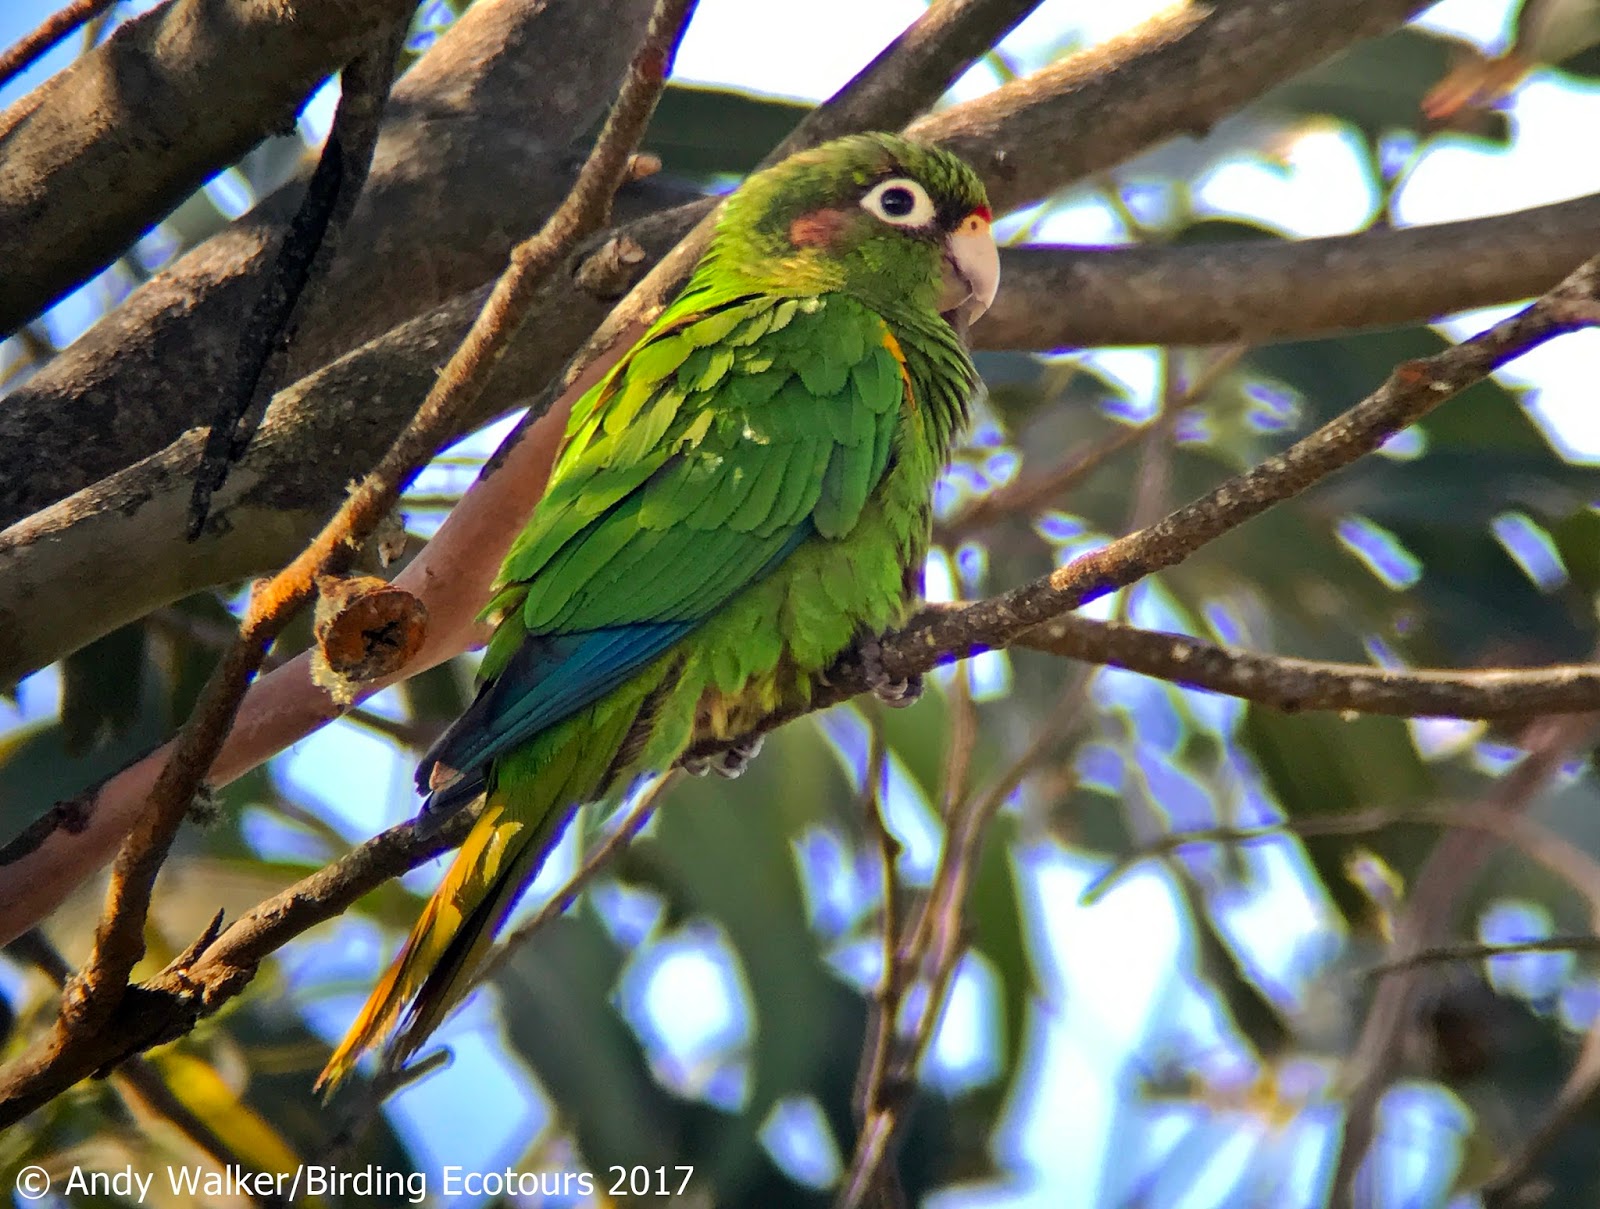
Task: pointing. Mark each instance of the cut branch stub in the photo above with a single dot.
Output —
(366, 628)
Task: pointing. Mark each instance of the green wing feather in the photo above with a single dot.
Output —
(736, 431)
(730, 427)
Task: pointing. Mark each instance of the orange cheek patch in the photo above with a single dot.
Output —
(817, 228)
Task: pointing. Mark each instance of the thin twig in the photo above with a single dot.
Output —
(1482, 951)
(1534, 840)
(1490, 817)
(933, 942)
(883, 1012)
(98, 990)
(1033, 491)
(301, 262)
(1425, 919)
(1303, 685)
(27, 50)
(622, 834)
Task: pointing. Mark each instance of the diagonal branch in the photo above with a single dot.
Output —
(301, 263)
(941, 635)
(58, 25)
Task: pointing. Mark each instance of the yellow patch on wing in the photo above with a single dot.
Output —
(893, 345)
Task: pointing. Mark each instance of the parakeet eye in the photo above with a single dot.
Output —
(899, 201)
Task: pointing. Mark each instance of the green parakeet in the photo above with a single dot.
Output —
(744, 496)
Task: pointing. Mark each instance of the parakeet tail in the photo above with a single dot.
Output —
(534, 797)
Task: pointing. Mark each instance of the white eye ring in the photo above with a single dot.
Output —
(888, 199)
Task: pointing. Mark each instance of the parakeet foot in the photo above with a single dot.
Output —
(897, 694)
(730, 762)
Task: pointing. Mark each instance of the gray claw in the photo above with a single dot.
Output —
(897, 694)
(730, 762)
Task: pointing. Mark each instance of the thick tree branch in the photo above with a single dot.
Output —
(102, 412)
(1256, 292)
(136, 126)
(1182, 71)
(479, 129)
(100, 987)
(911, 72)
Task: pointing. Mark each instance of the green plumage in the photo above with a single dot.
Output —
(744, 496)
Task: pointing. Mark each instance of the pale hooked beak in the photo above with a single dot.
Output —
(971, 271)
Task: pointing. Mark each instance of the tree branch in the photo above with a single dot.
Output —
(1298, 685)
(1255, 291)
(941, 635)
(300, 263)
(146, 373)
(99, 988)
(1413, 390)
(1426, 917)
(1181, 71)
(1075, 118)
(930, 945)
(912, 72)
(50, 31)
(451, 576)
(79, 135)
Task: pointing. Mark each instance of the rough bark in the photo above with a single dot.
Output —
(135, 125)
(126, 531)
(145, 373)
(479, 130)
(283, 494)
(1256, 292)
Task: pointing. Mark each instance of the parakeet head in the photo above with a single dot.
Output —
(894, 222)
